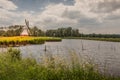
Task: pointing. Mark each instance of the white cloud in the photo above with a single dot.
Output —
(8, 5)
(6, 11)
(87, 15)
(67, 15)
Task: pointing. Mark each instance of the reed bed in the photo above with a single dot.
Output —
(24, 40)
(14, 67)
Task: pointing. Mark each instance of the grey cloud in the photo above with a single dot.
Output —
(81, 19)
(107, 6)
(71, 14)
(49, 20)
(86, 21)
(112, 17)
(5, 22)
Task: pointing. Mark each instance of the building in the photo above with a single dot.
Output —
(26, 31)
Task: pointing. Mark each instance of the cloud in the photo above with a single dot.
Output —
(90, 15)
(87, 15)
(6, 12)
(108, 5)
(67, 15)
(8, 5)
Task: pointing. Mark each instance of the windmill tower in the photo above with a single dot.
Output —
(26, 29)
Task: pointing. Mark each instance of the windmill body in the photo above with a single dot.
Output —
(24, 32)
(26, 29)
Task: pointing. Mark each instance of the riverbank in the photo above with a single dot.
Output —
(24, 40)
(14, 67)
(97, 39)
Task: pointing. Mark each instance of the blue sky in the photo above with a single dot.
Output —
(36, 5)
(89, 16)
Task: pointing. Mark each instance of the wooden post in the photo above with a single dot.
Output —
(45, 48)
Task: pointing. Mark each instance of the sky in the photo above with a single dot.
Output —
(89, 16)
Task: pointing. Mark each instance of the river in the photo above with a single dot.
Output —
(105, 54)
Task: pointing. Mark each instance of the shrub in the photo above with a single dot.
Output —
(51, 68)
(14, 54)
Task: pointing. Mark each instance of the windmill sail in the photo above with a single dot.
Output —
(27, 25)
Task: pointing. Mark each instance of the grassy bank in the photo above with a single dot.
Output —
(13, 67)
(98, 39)
(24, 40)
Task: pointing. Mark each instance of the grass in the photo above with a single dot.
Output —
(98, 39)
(13, 67)
(24, 40)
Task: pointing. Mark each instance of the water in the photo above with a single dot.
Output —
(105, 54)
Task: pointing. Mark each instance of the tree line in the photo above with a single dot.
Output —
(11, 30)
(17, 29)
(60, 32)
(63, 32)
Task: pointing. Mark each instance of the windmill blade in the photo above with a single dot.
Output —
(27, 24)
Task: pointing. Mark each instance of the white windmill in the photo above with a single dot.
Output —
(26, 29)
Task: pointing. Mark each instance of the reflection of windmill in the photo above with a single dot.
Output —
(26, 29)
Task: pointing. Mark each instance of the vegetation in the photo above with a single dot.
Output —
(60, 32)
(63, 32)
(98, 39)
(17, 29)
(100, 35)
(104, 39)
(13, 67)
(11, 30)
(24, 40)
(68, 33)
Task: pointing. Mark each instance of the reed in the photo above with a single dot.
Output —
(24, 40)
(51, 67)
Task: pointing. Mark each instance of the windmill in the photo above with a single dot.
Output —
(26, 29)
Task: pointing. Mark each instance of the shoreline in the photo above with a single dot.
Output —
(95, 39)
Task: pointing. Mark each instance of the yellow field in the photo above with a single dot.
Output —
(23, 40)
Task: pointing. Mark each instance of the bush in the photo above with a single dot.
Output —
(14, 54)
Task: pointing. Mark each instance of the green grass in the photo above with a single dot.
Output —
(13, 67)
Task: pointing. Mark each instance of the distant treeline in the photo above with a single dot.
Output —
(60, 32)
(11, 30)
(17, 29)
(70, 32)
(101, 35)
(63, 32)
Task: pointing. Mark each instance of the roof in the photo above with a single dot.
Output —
(24, 32)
